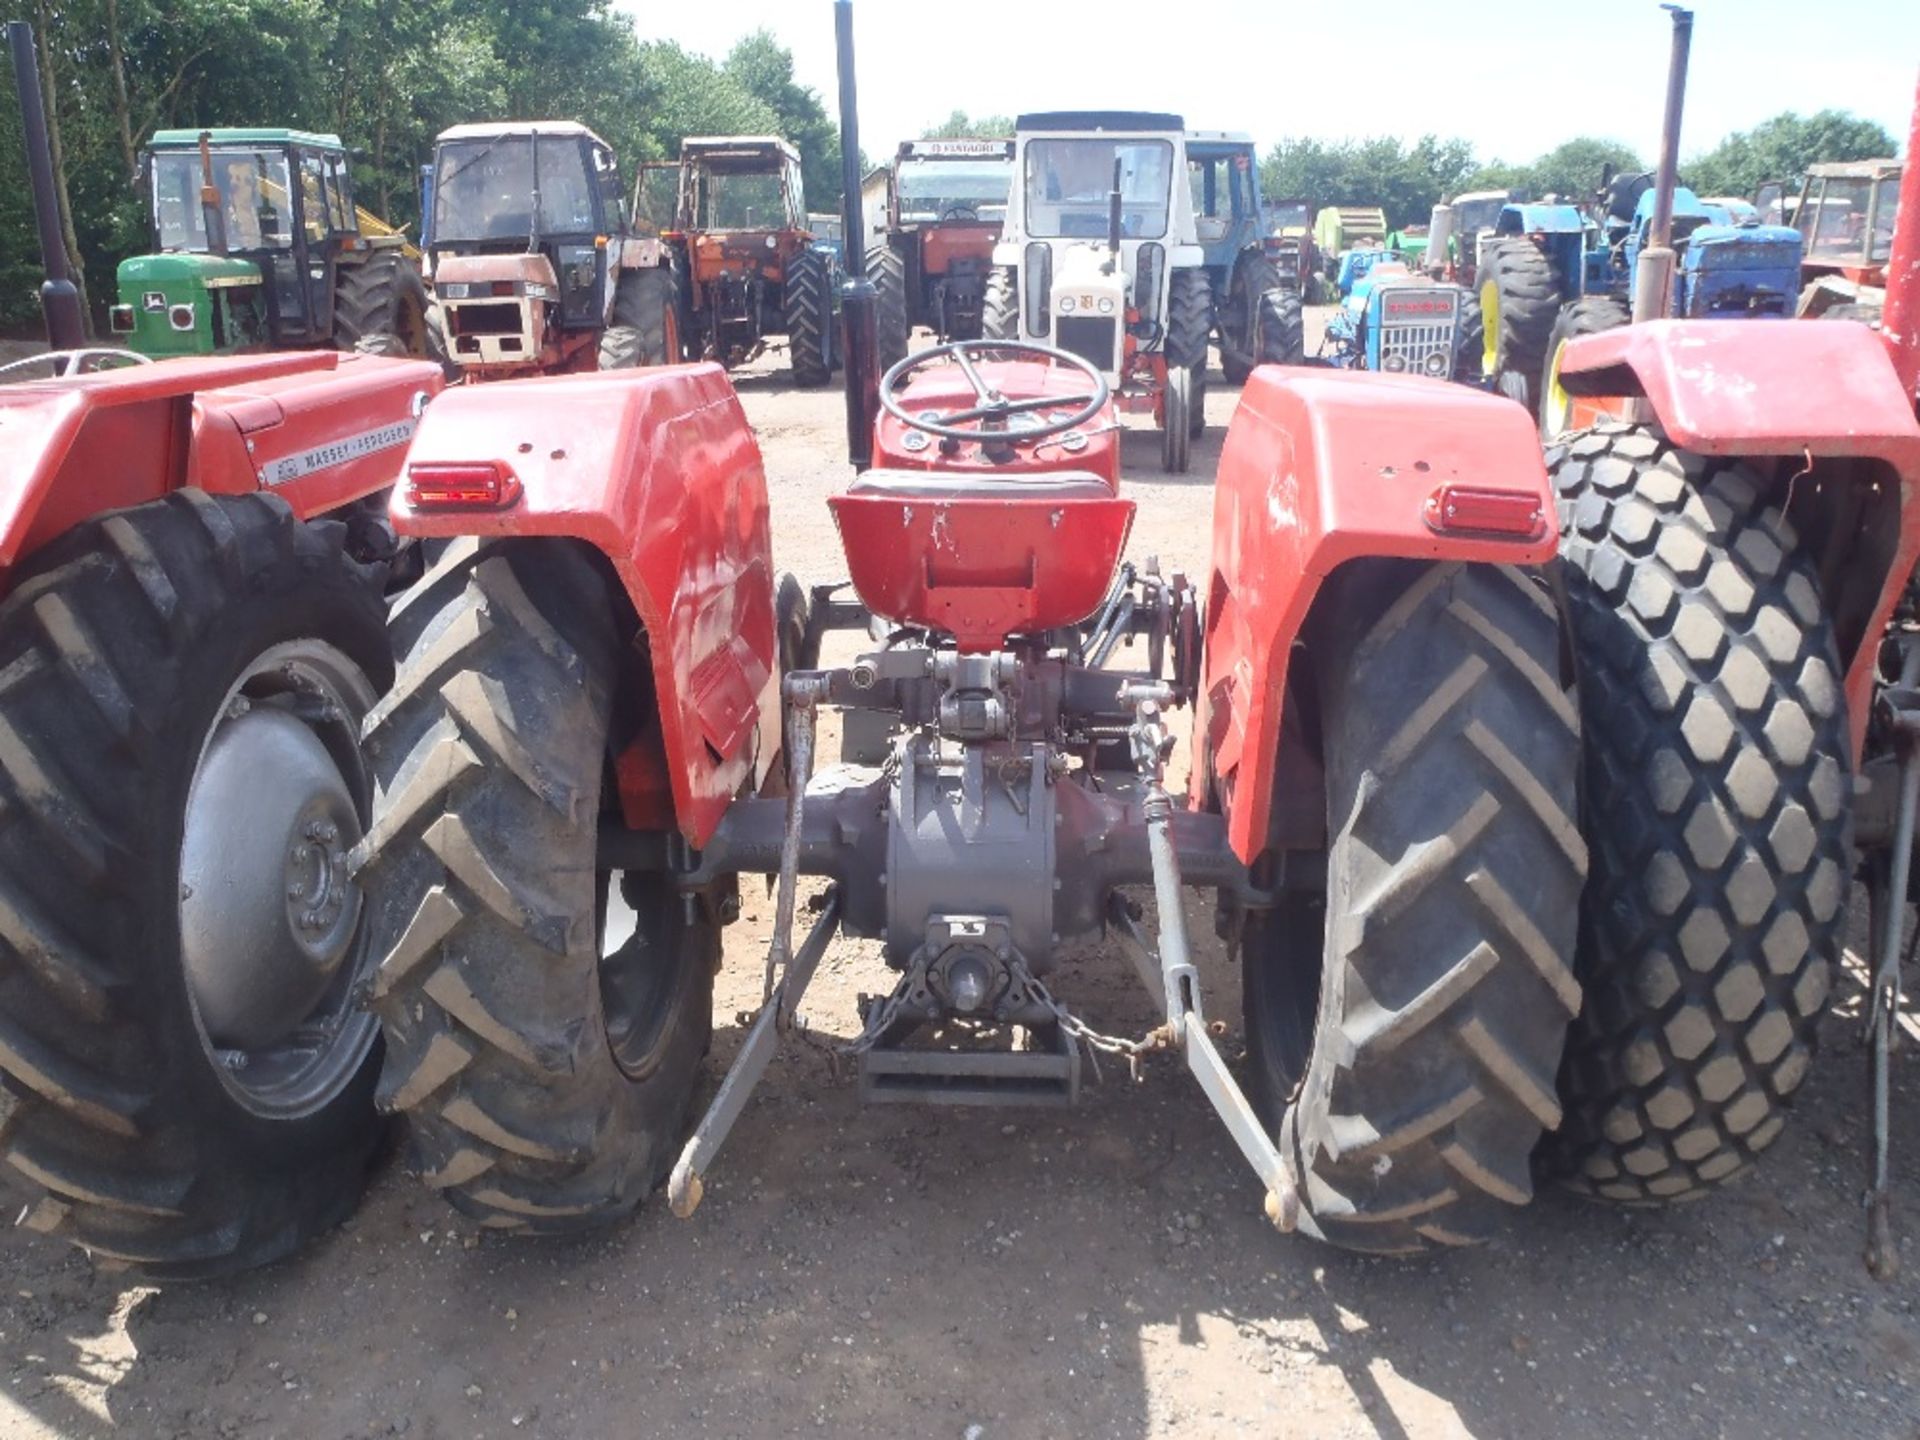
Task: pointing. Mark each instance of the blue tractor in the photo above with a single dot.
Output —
(1257, 316)
(1556, 271)
(1397, 322)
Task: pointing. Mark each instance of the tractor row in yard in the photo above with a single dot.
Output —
(340, 712)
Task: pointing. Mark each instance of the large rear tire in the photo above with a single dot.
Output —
(1519, 301)
(181, 686)
(546, 1084)
(1404, 1026)
(1253, 276)
(887, 269)
(808, 303)
(1282, 332)
(1716, 804)
(380, 308)
(645, 325)
(1589, 315)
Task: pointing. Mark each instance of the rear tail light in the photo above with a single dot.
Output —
(485, 485)
(1463, 509)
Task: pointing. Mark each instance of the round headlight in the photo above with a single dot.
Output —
(1106, 304)
(1394, 364)
(1436, 364)
(772, 240)
(1066, 305)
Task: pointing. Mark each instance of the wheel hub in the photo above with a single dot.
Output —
(267, 909)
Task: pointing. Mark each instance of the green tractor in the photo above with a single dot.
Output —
(259, 246)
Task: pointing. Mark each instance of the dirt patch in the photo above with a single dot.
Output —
(1103, 1271)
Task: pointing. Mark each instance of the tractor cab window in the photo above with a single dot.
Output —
(739, 200)
(313, 197)
(656, 198)
(1836, 222)
(484, 189)
(1470, 217)
(606, 176)
(932, 190)
(1292, 215)
(1886, 204)
(1068, 182)
(339, 198)
(254, 197)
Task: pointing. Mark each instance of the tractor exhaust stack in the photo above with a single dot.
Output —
(858, 299)
(59, 297)
(1653, 287)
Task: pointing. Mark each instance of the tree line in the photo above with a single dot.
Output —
(385, 77)
(388, 77)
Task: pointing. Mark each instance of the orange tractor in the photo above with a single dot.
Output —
(732, 214)
(606, 708)
(945, 202)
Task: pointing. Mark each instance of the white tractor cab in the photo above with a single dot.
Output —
(1099, 256)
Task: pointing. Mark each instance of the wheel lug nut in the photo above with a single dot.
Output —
(297, 890)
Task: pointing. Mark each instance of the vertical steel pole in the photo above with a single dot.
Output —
(861, 346)
(59, 298)
(1653, 286)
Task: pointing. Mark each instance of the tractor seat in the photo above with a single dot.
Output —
(990, 485)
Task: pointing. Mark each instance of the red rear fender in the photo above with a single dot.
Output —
(319, 428)
(1813, 390)
(658, 469)
(1320, 468)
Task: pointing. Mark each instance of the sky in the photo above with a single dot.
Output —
(1498, 73)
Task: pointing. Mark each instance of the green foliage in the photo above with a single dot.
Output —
(962, 126)
(763, 67)
(1782, 148)
(1571, 170)
(386, 78)
(1404, 180)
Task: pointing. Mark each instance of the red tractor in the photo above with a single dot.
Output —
(194, 558)
(1739, 540)
(606, 705)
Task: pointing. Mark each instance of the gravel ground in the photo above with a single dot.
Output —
(1102, 1272)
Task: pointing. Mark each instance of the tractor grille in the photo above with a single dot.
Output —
(1418, 328)
(500, 317)
(1092, 338)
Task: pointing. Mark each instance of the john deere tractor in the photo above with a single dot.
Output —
(259, 245)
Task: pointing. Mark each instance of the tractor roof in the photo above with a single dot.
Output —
(1854, 169)
(721, 150)
(1100, 120)
(244, 135)
(495, 129)
(1218, 142)
(1501, 195)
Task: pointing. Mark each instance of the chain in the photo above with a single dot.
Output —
(1096, 1043)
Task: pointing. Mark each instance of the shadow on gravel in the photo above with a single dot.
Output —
(1099, 1272)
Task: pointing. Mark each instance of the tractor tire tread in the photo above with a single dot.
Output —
(109, 1136)
(1717, 783)
(807, 303)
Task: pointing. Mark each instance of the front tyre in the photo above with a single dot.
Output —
(644, 328)
(1176, 421)
(1589, 315)
(1000, 308)
(808, 303)
(181, 686)
(1404, 1025)
(546, 1080)
(1716, 803)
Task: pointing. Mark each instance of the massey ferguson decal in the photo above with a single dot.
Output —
(339, 452)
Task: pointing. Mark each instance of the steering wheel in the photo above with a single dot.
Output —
(959, 211)
(988, 419)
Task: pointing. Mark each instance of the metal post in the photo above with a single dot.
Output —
(1900, 321)
(1653, 285)
(858, 301)
(59, 297)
